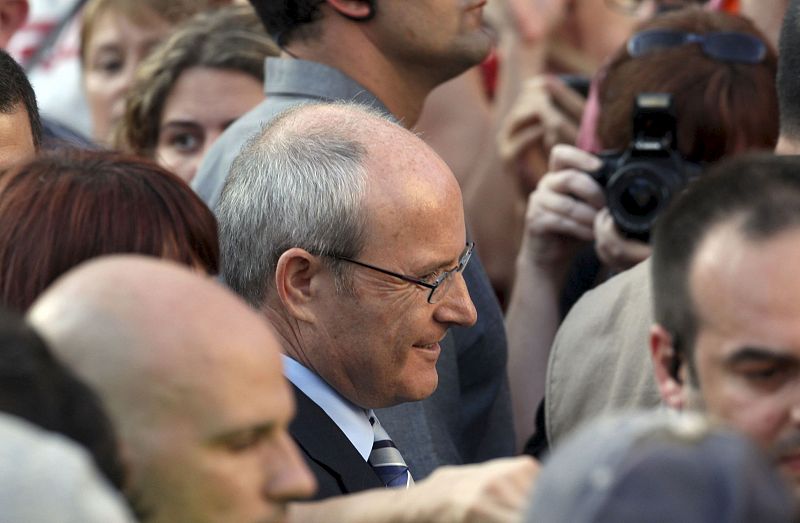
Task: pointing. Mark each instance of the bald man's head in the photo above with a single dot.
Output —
(192, 379)
(348, 231)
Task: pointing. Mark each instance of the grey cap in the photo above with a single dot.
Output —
(45, 478)
(659, 467)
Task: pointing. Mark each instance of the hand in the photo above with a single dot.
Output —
(613, 249)
(547, 112)
(497, 491)
(562, 210)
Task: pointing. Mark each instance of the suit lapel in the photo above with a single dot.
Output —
(324, 443)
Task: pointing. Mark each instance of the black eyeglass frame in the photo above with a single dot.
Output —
(742, 47)
(463, 260)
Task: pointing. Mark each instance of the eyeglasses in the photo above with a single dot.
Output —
(728, 46)
(440, 284)
(631, 7)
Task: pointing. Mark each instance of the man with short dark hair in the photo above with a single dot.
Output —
(388, 55)
(725, 287)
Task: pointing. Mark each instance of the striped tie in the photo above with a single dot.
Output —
(386, 459)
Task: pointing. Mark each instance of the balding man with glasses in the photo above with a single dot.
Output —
(348, 232)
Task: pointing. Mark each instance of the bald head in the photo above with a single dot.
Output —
(185, 369)
(123, 320)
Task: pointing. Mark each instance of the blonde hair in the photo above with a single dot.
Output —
(140, 11)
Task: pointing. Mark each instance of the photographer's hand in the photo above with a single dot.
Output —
(614, 250)
(547, 112)
(561, 211)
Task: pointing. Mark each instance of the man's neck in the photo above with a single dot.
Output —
(403, 92)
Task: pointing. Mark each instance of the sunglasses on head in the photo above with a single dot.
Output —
(726, 46)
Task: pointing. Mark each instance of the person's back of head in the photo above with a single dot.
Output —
(64, 207)
(45, 478)
(17, 97)
(37, 387)
(658, 467)
(718, 67)
(285, 18)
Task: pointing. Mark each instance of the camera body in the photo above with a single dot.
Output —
(640, 182)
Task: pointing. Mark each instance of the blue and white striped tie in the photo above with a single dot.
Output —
(386, 459)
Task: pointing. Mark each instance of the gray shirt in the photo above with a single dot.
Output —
(468, 417)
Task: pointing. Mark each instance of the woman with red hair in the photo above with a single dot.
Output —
(63, 208)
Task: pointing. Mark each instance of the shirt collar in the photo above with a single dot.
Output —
(351, 419)
(302, 78)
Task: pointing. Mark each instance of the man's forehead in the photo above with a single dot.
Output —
(747, 288)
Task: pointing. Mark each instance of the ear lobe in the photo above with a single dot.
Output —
(294, 278)
(13, 15)
(667, 368)
(357, 10)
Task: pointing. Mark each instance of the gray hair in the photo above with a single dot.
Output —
(300, 182)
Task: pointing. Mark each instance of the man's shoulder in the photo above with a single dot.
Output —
(599, 358)
(612, 301)
(288, 83)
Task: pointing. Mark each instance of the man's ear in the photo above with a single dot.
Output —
(358, 10)
(668, 368)
(13, 15)
(294, 279)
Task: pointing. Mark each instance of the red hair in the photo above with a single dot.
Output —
(65, 207)
(721, 107)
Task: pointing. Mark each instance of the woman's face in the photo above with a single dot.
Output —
(202, 104)
(114, 49)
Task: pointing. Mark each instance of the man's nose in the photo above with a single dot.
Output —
(290, 478)
(456, 307)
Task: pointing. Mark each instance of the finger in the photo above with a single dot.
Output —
(568, 100)
(559, 130)
(570, 157)
(512, 146)
(575, 183)
(613, 248)
(548, 224)
(568, 207)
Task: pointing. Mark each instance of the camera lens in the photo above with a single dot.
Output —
(641, 197)
(637, 192)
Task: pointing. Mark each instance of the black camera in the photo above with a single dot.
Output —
(640, 182)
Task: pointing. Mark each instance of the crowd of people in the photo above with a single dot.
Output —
(399, 261)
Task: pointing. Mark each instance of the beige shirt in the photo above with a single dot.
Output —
(600, 359)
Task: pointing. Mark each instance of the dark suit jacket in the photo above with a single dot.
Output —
(336, 464)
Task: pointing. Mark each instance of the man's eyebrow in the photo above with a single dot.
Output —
(760, 355)
(257, 430)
